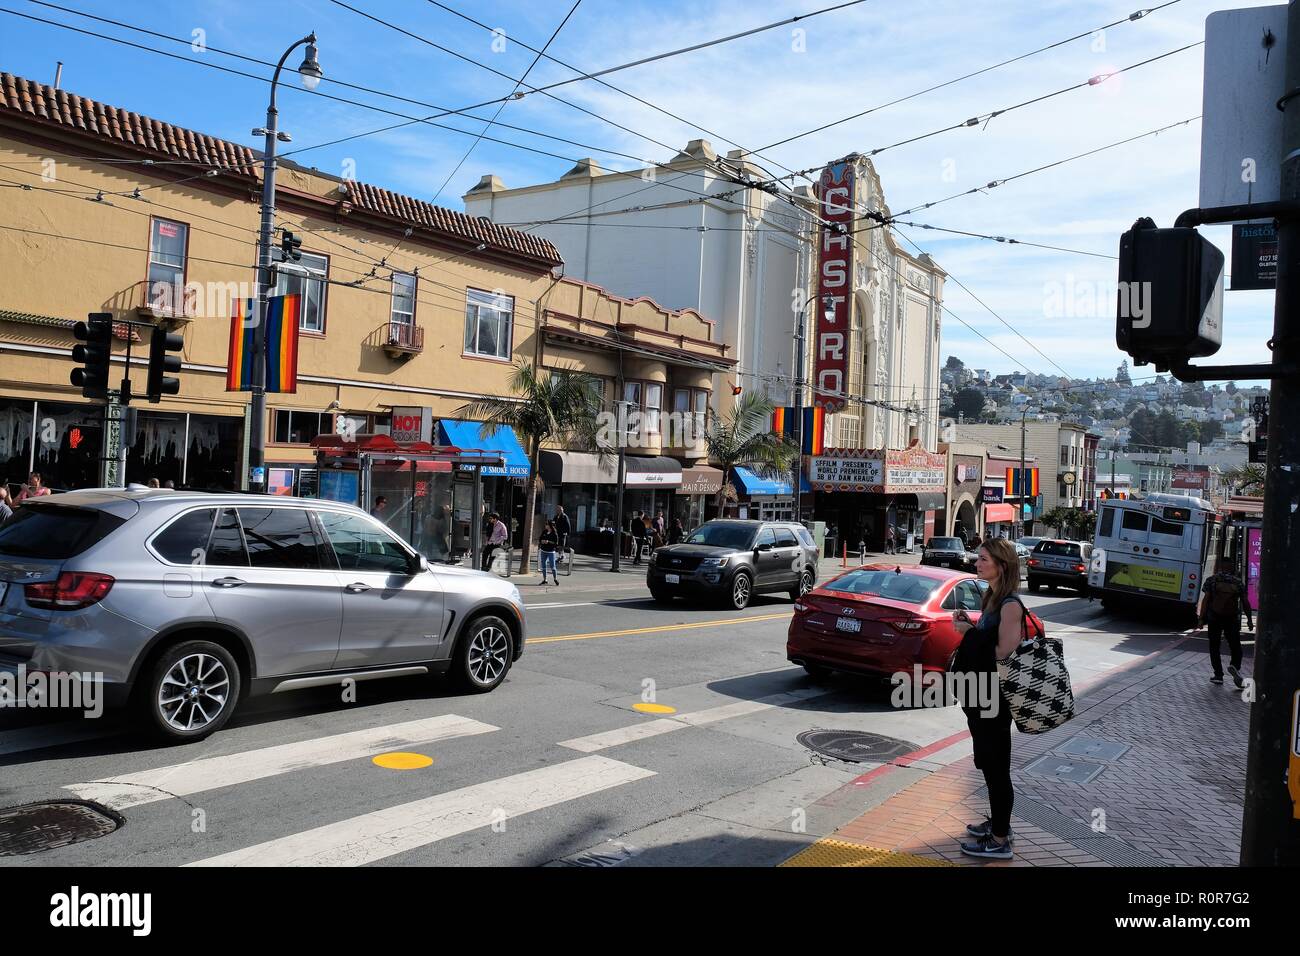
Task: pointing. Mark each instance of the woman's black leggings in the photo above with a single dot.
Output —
(991, 737)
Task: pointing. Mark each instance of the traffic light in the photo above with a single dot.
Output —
(94, 355)
(161, 344)
(290, 247)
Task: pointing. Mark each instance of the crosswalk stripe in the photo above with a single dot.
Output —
(209, 773)
(383, 833)
(664, 725)
(51, 735)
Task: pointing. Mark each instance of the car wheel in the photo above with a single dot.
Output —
(817, 671)
(1033, 586)
(189, 692)
(742, 589)
(806, 582)
(660, 597)
(483, 655)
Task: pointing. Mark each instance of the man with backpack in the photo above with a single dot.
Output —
(1223, 598)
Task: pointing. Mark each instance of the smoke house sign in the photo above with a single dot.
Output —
(830, 360)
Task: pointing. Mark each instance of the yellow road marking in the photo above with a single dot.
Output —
(830, 852)
(402, 761)
(654, 708)
(656, 630)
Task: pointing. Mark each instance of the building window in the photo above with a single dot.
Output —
(654, 401)
(312, 288)
(693, 402)
(403, 313)
(1065, 455)
(299, 428)
(488, 324)
(167, 246)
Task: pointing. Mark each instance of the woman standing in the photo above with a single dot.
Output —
(983, 644)
(546, 549)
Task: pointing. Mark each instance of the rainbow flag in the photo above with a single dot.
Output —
(784, 422)
(1013, 482)
(281, 344)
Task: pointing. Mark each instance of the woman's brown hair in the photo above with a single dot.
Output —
(1003, 554)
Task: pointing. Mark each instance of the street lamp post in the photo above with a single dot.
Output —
(311, 74)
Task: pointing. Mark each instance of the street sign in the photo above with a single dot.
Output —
(1254, 255)
(1241, 126)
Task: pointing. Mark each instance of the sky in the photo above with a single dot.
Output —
(747, 92)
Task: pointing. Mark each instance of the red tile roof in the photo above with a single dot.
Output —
(45, 106)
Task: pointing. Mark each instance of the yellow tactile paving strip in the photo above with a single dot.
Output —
(842, 853)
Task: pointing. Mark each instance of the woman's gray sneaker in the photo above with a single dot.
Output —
(986, 829)
(988, 848)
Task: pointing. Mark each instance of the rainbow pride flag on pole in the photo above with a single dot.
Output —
(785, 422)
(282, 313)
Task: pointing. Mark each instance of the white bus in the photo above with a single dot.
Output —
(1153, 549)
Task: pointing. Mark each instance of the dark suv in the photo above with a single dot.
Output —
(734, 560)
(1060, 562)
(949, 553)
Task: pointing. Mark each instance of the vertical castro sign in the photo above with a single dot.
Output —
(835, 259)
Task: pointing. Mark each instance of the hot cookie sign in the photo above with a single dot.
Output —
(830, 360)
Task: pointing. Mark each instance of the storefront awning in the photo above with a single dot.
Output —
(499, 439)
(924, 500)
(700, 480)
(578, 468)
(657, 472)
(995, 513)
(752, 484)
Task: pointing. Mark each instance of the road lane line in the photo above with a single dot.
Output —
(385, 833)
(658, 629)
(653, 728)
(210, 773)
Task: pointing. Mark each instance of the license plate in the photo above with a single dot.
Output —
(850, 624)
(673, 578)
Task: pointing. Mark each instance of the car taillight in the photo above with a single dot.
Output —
(800, 608)
(73, 590)
(1033, 562)
(910, 625)
(1080, 567)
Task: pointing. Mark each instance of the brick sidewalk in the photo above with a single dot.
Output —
(1174, 797)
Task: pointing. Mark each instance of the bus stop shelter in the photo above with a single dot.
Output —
(433, 492)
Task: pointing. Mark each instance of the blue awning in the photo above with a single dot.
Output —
(751, 484)
(499, 439)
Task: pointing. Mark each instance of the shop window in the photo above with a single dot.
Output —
(489, 319)
(299, 428)
(312, 288)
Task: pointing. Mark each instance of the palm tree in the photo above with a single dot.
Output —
(1245, 479)
(745, 438)
(551, 405)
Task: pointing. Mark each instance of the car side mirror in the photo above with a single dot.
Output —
(764, 547)
(419, 564)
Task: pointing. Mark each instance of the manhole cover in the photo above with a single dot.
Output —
(1067, 769)
(854, 746)
(34, 827)
(1092, 747)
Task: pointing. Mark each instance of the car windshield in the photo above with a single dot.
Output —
(895, 585)
(1059, 549)
(723, 535)
(946, 544)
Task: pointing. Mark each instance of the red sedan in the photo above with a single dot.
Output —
(880, 619)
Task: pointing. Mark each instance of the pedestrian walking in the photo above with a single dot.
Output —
(562, 527)
(546, 545)
(889, 539)
(497, 535)
(1223, 598)
(638, 535)
(998, 632)
(677, 532)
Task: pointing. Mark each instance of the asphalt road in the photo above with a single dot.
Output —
(554, 767)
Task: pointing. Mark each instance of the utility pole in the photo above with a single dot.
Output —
(620, 412)
(1270, 834)
(1020, 525)
(797, 410)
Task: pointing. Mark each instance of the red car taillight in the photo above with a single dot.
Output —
(1080, 567)
(73, 590)
(910, 625)
(1033, 562)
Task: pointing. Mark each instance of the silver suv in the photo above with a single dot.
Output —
(182, 603)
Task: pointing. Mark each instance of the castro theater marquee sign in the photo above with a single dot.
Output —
(835, 194)
(909, 471)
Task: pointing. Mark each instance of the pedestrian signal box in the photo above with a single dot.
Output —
(1169, 305)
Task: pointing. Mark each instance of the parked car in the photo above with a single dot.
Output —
(1060, 563)
(880, 619)
(188, 602)
(1029, 543)
(948, 553)
(732, 560)
(1022, 555)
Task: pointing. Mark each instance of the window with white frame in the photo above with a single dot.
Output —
(167, 242)
(489, 318)
(403, 313)
(311, 288)
(654, 401)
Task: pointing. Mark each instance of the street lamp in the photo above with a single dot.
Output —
(310, 73)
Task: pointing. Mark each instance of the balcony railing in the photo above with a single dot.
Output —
(403, 338)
